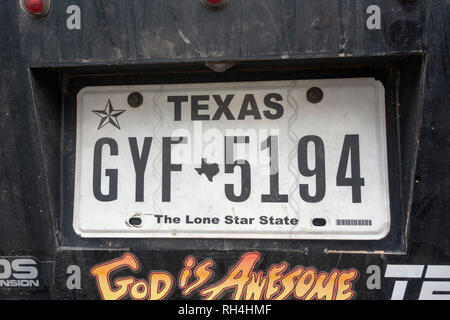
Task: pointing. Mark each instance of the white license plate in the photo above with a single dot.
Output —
(233, 160)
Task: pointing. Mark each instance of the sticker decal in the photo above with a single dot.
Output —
(19, 272)
(435, 286)
(243, 281)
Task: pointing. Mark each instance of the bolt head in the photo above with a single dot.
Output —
(135, 99)
(314, 95)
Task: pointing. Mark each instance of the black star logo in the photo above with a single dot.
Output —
(109, 115)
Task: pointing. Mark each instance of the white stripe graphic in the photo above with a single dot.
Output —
(438, 272)
(404, 271)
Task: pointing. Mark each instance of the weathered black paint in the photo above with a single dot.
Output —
(43, 65)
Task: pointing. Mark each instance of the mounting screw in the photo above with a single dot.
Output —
(215, 4)
(135, 99)
(314, 95)
(219, 66)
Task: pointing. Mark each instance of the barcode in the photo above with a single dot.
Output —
(353, 222)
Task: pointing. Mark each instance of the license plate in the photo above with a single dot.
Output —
(303, 159)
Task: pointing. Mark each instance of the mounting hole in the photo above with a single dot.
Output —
(135, 221)
(314, 95)
(319, 222)
(135, 99)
